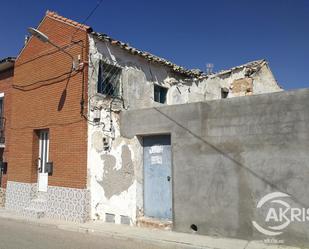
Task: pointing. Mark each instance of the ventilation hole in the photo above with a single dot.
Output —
(194, 227)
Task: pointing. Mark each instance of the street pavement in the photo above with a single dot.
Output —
(20, 232)
(21, 235)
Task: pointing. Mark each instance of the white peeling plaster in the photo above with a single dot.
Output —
(137, 79)
(210, 88)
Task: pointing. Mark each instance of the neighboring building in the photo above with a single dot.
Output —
(6, 79)
(67, 158)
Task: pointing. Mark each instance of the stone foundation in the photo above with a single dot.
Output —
(57, 203)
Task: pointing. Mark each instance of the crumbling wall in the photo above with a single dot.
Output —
(115, 168)
(265, 82)
(115, 173)
(237, 82)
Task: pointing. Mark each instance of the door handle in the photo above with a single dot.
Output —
(168, 178)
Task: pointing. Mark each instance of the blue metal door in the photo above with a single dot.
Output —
(157, 177)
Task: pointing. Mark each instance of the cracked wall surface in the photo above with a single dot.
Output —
(238, 82)
(115, 163)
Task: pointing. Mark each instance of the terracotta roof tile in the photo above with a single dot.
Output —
(55, 16)
(195, 73)
(148, 56)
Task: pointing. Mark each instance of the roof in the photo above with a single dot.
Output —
(148, 56)
(193, 73)
(55, 16)
(7, 63)
(252, 66)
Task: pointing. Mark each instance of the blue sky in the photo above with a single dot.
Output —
(190, 33)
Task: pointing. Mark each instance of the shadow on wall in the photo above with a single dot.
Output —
(235, 161)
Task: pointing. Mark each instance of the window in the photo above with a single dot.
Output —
(160, 94)
(224, 92)
(108, 79)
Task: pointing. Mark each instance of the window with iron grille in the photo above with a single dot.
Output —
(108, 79)
(160, 94)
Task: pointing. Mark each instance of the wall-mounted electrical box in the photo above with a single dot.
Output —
(49, 167)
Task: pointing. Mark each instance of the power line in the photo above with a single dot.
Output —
(86, 19)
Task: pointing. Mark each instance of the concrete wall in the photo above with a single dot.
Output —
(228, 154)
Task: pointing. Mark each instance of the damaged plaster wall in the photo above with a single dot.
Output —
(237, 82)
(240, 82)
(115, 174)
(115, 164)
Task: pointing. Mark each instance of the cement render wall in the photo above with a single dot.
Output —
(228, 154)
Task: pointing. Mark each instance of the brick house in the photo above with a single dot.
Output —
(67, 158)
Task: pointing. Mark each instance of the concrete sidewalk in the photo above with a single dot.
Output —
(162, 238)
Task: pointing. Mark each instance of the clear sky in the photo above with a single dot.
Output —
(190, 33)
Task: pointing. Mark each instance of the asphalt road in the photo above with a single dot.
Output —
(19, 235)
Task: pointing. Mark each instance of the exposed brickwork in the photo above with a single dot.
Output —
(6, 79)
(46, 95)
(241, 87)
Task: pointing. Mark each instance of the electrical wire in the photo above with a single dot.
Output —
(86, 19)
(56, 79)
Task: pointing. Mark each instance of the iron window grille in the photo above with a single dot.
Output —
(109, 79)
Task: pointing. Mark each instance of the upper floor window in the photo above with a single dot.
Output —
(160, 94)
(108, 79)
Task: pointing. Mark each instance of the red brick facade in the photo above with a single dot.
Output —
(6, 79)
(47, 94)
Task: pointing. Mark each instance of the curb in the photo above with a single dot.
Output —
(152, 240)
(115, 235)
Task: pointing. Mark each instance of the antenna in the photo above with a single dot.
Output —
(209, 68)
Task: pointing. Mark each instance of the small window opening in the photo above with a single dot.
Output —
(108, 79)
(160, 94)
(224, 92)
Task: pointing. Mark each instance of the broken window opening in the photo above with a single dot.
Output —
(160, 94)
(224, 92)
(109, 79)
